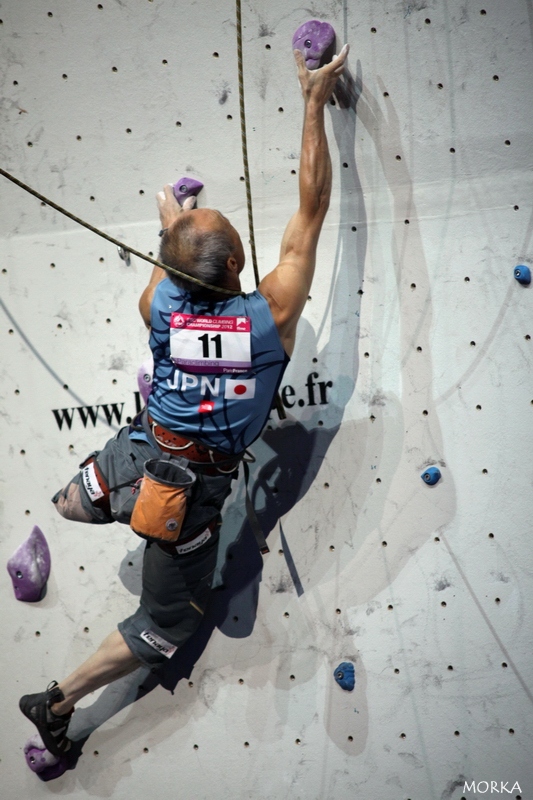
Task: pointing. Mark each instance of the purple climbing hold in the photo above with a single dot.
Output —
(29, 567)
(145, 374)
(41, 761)
(186, 187)
(316, 41)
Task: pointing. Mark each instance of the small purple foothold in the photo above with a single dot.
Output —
(186, 187)
(45, 765)
(314, 39)
(38, 758)
(29, 567)
(144, 378)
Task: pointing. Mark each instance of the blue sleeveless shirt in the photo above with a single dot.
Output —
(214, 379)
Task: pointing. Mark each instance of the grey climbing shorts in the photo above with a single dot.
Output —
(176, 579)
(118, 464)
(175, 591)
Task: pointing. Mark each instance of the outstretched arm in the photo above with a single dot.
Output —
(169, 211)
(287, 287)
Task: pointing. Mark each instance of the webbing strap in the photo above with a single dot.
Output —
(252, 516)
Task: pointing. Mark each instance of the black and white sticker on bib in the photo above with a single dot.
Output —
(210, 344)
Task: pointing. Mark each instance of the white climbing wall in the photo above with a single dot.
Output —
(414, 319)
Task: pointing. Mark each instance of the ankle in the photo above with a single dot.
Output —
(62, 708)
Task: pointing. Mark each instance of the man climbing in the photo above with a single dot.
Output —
(209, 402)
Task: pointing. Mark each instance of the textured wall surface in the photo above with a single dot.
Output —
(414, 350)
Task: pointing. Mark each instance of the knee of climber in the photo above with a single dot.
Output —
(68, 504)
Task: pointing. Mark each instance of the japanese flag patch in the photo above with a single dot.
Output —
(239, 390)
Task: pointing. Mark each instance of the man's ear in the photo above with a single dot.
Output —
(233, 265)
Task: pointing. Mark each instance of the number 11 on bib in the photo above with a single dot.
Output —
(210, 344)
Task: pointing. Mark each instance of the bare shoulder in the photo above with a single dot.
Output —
(286, 292)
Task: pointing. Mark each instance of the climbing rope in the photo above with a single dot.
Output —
(278, 403)
(126, 247)
(244, 143)
(154, 261)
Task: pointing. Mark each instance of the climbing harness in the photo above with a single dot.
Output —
(204, 460)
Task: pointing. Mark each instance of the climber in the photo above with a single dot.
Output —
(211, 396)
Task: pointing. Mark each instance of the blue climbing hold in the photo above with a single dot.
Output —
(522, 274)
(186, 187)
(345, 675)
(431, 475)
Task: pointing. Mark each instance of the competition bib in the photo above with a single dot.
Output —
(210, 344)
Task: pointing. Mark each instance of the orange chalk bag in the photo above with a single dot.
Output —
(160, 508)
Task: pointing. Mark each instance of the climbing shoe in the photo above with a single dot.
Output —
(52, 727)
